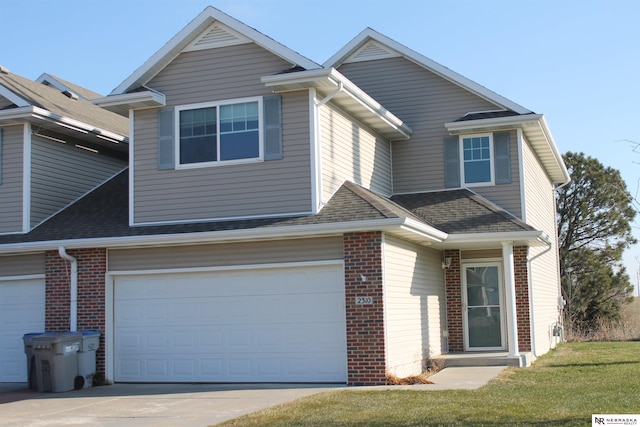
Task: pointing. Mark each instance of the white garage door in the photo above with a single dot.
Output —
(21, 312)
(267, 325)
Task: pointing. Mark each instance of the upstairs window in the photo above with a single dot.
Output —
(476, 160)
(218, 133)
(476, 156)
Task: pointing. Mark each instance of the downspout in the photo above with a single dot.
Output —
(331, 95)
(73, 311)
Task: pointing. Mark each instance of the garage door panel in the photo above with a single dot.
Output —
(22, 305)
(281, 324)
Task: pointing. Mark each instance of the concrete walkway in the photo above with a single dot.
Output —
(158, 405)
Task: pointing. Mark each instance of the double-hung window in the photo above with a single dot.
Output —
(477, 159)
(219, 133)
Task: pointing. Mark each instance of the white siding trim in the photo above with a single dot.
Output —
(131, 163)
(316, 157)
(385, 305)
(226, 268)
(26, 181)
(523, 203)
(25, 277)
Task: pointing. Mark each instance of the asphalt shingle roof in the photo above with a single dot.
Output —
(51, 99)
(104, 213)
(461, 211)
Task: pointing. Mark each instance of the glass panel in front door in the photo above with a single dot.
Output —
(484, 314)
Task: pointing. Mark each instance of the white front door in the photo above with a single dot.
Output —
(483, 308)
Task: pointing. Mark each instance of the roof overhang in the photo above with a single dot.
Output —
(495, 240)
(536, 131)
(334, 86)
(403, 227)
(121, 104)
(38, 115)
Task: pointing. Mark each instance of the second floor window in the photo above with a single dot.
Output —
(476, 156)
(222, 132)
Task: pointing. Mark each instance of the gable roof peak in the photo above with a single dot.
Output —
(204, 34)
(351, 49)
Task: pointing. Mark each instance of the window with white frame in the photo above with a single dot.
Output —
(477, 154)
(221, 132)
(475, 160)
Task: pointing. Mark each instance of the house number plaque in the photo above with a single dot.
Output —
(364, 300)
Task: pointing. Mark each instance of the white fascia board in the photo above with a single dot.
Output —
(48, 78)
(15, 99)
(16, 114)
(47, 115)
(425, 62)
(181, 40)
(315, 78)
(466, 125)
(532, 238)
(146, 99)
(554, 149)
(270, 233)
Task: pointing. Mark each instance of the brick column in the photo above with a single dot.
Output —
(453, 289)
(366, 358)
(92, 266)
(521, 279)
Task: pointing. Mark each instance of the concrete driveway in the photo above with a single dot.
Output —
(197, 405)
(141, 405)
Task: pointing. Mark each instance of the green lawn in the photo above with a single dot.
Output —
(563, 388)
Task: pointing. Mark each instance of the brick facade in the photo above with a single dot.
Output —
(521, 278)
(453, 287)
(92, 267)
(453, 292)
(366, 358)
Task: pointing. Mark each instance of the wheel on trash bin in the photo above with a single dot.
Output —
(78, 382)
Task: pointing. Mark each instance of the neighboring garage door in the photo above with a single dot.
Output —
(21, 312)
(254, 325)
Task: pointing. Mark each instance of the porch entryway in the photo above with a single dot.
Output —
(483, 307)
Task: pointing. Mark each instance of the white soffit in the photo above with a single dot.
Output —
(371, 51)
(217, 35)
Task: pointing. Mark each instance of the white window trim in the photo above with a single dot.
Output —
(217, 104)
(492, 161)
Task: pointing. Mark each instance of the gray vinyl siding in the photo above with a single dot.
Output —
(414, 301)
(425, 102)
(21, 265)
(12, 178)
(507, 196)
(544, 270)
(352, 152)
(267, 188)
(229, 254)
(62, 173)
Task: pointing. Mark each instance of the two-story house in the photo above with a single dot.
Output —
(286, 221)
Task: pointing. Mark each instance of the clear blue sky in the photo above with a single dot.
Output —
(576, 61)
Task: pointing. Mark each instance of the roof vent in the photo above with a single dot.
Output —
(70, 94)
(4, 70)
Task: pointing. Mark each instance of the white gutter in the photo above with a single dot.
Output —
(269, 233)
(539, 237)
(73, 312)
(32, 112)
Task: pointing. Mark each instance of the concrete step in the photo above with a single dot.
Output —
(486, 359)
